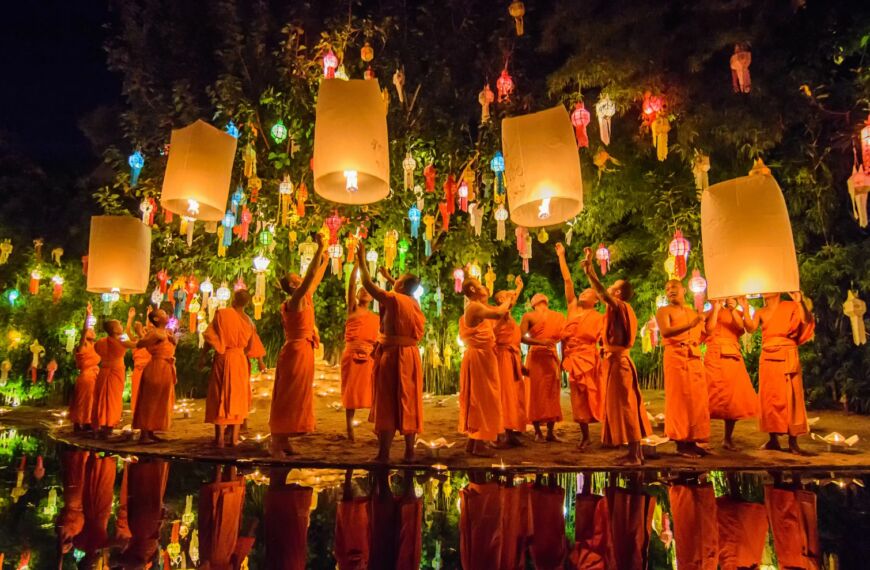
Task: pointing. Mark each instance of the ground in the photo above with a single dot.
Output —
(191, 438)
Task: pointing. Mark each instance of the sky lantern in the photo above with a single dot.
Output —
(119, 255)
(505, 86)
(351, 159)
(542, 168)
(580, 117)
(698, 285)
(679, 248)
(198, 172)
(747, 240)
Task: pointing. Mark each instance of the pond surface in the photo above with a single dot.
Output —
(89, 510)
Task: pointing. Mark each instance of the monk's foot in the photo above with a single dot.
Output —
(730, 446)
(219, 443)
(700, 450)
(158, 438)
(551, 437)
(409, 457)
(771, 445)
(381, 458)
(795, 449)
(350, 436)
(515, 440)
(583, 445)
(628, 461)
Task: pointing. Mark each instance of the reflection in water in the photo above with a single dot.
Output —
(97, 511)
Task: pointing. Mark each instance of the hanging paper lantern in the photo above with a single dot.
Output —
(428, 233)
(207, 289)
(239, 284)
(70, 335)
(279, 132)
(408, 166)
(156, 297)
(261, 264)
(474, 270)
(119, 255)
(670, 267)
(351, 159)
(501, 215)
(524, 246)
(391, 241)
(543, 236)
(700, 168)
(740, 61)
(485, 98)
(193, 307)
(223, 294)
(372, 259)
(679, 248)
(475, 218)
(865, 146)
(602, 254)
(652, 105)
(854, 308)
(462, 194)
(605, 109)
(747, 239)
(458, 278)
(232, 130)
(429, 174)
(505, 86)
(399, 83)
(5, 251)
(402, 247)
(330, 64)
(698, 285)
(580, 117)
(307, 249)
(367, 53)
(414, 218)
(660, 128)
(542, 169)
(35, 277)
(858, 186)
(265, 236)
(285, 191)
(333, 224)
(301, 196)
(517, 10)
(450, 193)
(57, 288)
(136, 162)
(662, 301)
(198, 172)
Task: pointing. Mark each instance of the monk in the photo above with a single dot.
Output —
(286, 515)
(516, 524)
(220, 515)
(541, 329)
(480, 416)
(292, 411)
(794, 524)
(580, 338)
(592, 547)
(549, 548)
(87, 361)
(510, 371)
(397, 524)
(235, 341)
(357, 364)
(480, 521)
(146, 486)
(109, 385)
(157, 392)
(71, 519)
(631, 513)
(99, 486)
(696, 534)
(353, 531)
(141, 358)
(687, 415)
(742, 529)
(398, 373)
(625, 420)
(730, 391)
(785, 325)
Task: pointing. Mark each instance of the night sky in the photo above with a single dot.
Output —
(54, 73)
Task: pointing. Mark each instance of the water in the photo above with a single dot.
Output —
(98, 511)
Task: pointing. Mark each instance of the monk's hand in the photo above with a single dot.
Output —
(697, 320)
(318, 239)
(560, 249)
(518, 282)
(796, 296)
(587, 257)
(361, 253)
(90, 309)
(717, 304)
(131, 312)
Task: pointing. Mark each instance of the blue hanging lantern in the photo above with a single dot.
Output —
(232, 130)
(12, 296)
(414, 217)
(237, 200)
(229, 222)
(497, 167)
(180, 302)
(136, 162)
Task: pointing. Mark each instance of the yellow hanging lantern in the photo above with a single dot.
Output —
(391, 241)
(542, 168)
(351, 151)
(670, 267)
(660, 128)
(198, 172)
(746, 236)
(854, 308)
(489, 278)
(119, 255)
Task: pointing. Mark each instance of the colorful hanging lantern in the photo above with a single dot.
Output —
(679, 248)
(524, 246)
(858, 185)
(485, 98)
(372, 259)
(458, 278)
(517, 10)
(428, 233)
(698, 285)
(249, 158)
(408, 166)
(414, 218)
(462, 194)
(239, 284)
(670, 267)
(450, 193)
(228, 223)
(279, 132)
(700, 168)
(865, 146)
(660, 128)
(652, 105)
(301, 197)
(70, 334)
(148, 207)
(335, 252)
(501, 215)
(444, 210)
(237, 200)
(232, 130)
(580, 117)
(489, 278)
(156, 297)
(285, 191)
(429, 175)
(367, 53)
(602, 254)
(35, 277)
(402, 247)
(854, 308)
(605, 109)
(333, 224)
(223, 294)
(5, 251)
(475, 218)
(261, 265)
(136, 162)
(307, 249)
(36, 350)
(57, 288)
(474, 270)
(543, 236)
(245, 220)
(391, 240)
(740, 61)
(399, 84)
(207, 289)
(330, 64)
(505, 86)
(193, 307)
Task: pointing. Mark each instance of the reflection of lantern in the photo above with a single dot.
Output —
(542, 168)
(602, 254)
(505, 86)
(119, 255)
(747, 239)
(580, 117)
(279, 131)
(679, 248)
(198, 172)
(351, 160)
(697, 285)
(458, 278)
(605, 108)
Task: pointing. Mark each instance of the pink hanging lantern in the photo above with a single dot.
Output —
(698, 285)
(330, 64)
(458, 278)
(652, 106)
(57, 288)
(505, 86)
(580, 117)
(333, 224)
(602, 254)
(679, 248)
(462, 192)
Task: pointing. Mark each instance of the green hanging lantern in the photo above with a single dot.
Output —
(265, 237)
(279, 132)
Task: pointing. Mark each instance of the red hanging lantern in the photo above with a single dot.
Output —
(698, 285)
(333, 224)
(301, 196)
(505, 86)
(444, 210)
(602, 254)
(57, 289)
(35, 277)
(865, 146)
(192, 287)
(680, 248)
(429, 174)
(580, 117)
(652, 106)
(462, 192)
(450, 193)
(330, 64)
(163, 279)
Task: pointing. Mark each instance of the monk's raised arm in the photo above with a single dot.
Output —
(750, 322)
(314, 268)
(594, 282)
(713, 317)
(351, 289)
(570, 297)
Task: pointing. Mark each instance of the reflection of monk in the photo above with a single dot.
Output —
(516, 525)
(353, 530)
(631, 512)
(548, 547)
(96, 505)
(480, 516)
(542, 330)
(742, 531)
(592, 547)
(396, 526)
(286, 517)
(795, 526)
(71, 519)
(693, 510)
(145, 487)
(220, 514)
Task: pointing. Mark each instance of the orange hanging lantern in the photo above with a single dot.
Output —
(517, 10)
(865, 146)
(740, 61)
(505, 86)
(652, 106)
(580, 117)
(679, 248)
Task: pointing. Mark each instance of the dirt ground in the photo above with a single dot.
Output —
(190, 438)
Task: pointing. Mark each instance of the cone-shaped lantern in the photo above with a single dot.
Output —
(542, 168)
(198, 172)
(746, 237)
(119, 255)
(351, 150)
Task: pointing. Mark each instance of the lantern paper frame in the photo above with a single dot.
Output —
(541, 162)
(119, 255)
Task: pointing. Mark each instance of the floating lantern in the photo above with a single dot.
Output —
(279, 132)
(330, 64)
(605, 109)
(854, 308)
(136, 162)
(679, 248)
(740, 61)
(414, 218)
(485, 98)
(458, 278)
(602, 254)
(198, 172)
(505, 86)
(57, 288)
(119, 255)
(542, 169)
(747, 239)
(351, 159)
(580, 117)
(35, 278)
(698, 285)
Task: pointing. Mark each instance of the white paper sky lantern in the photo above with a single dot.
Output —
(746, 236)
(351, 150)
(119, 255)
(198, 172)
(542, 168)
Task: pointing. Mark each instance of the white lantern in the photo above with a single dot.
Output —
(119, 255)
(542, 168)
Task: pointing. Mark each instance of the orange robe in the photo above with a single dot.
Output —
(687, 413)
(592, 549)
(398, 374)
(235, 341)
(780, 383)
(109, 385)
(479, 383)
(156, 399)
(357, 364)
(81, 408)
(99, 487)
(795, 526)
(625, 418)
(71, 519)
(220, 514)
(292, 409)
(513, 383)
(146, 485)
(630, 522)
(141, 358)
(286, 517)
(480, 521)
(580, 360)
(397, 527)
(545, 375)
(516, 526)
(696, 534)
(742, 533)
(729, 388)
(548, 547)
(122, 520)
(352, 534)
